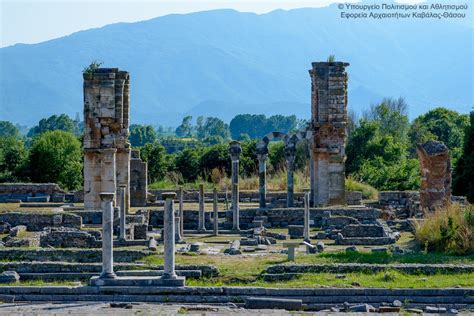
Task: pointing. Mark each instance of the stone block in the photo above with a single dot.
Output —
(58, 197)
(273, 303)
(38, 199)
(138, 281)
(140, 231)
(9, 277)
(5, 228)
(17, 230)
(296, 231)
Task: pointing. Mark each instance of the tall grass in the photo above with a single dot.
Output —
(368, 192)
(448, 229)
(275, 181)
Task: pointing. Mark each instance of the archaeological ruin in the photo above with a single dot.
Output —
(125, 241)
(329, 127)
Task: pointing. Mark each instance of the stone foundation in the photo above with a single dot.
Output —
(37, 221)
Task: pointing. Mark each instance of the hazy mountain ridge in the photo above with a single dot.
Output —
(224, 62)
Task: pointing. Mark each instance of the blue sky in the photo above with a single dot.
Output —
(26, 21)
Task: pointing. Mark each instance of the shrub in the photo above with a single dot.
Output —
(368, 192)
(56, 156)
(449, 229)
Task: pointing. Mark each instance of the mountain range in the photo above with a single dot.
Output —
(224, 62)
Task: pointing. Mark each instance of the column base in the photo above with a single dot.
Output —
(177, 281)
(107, 275)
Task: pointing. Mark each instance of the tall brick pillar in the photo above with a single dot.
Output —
(329, 125)
(106, 129)
(435, 161)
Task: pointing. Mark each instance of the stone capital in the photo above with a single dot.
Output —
(106, 196)
(168, 195)
(235, 150)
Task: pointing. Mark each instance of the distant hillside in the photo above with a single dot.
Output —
(224, 62)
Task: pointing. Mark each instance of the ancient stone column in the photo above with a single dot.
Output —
(306, 217)
(106, 111)
(107, 170)
(312, 201)
(107, 235)
(329, 130)
(290, 154)
(234, 150)
(262, 154)
(215, 212)
(181, 210)
(202, 213)
(435, 161)
(169, 236)
(123, 214)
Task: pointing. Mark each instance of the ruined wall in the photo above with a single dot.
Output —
(435, 190)
(106, 129)
(138, 180)
(329, 126)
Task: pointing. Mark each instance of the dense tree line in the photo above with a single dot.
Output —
(380, 149)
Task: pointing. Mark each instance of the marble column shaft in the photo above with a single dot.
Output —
(107, 235)
(235, 195)
(123, 214)
(290, 163)
(262, 180)
(215, 212)
(181, 210)
(202, 214)
(306, 217)
(169, 236)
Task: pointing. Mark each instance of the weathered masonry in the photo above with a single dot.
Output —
(106, 127)
(328, 124)
(435, 190)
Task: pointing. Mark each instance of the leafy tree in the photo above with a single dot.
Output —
(247, 124)
(377, 150)
(463, 180)
(142, 134)
(280, 123)
(158, 161)
(186, 128)
(276, 155)
(12, 159)
(212, 127)
(188, 163)
(248, 158)
(53, 123)
(7, 129)
(392, 116)
(367, 142)
(257, 126)
(173, 144)
(56, 156)
(440, 124)
(215, 157)
(403, 175)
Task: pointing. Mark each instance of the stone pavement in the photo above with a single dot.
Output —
(102, 308)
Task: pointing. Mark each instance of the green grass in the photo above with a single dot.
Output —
(43, 283)
(246, 270)
(388, 279)
(384, 258)
(368, 192)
